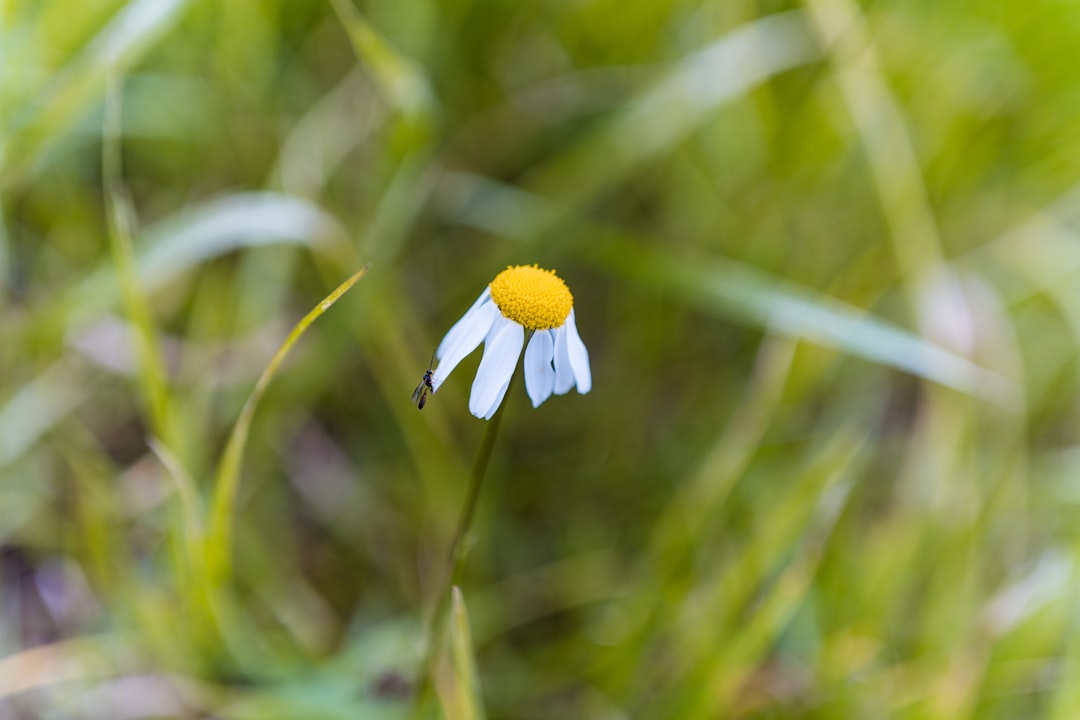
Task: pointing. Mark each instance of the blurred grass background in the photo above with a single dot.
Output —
(824, 257)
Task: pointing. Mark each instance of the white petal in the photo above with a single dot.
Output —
(579, 356)
(501, 352)
(539, 374)
(497, 402)
(466, 335)
(453, 335)
(564, 373)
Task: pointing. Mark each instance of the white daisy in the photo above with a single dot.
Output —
(518, 299)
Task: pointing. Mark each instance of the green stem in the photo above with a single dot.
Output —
(456, 557)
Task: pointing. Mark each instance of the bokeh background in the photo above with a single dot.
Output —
(825, 259)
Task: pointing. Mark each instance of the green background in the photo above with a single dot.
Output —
(824, 257)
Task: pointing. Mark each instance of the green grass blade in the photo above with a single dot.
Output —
(133, 30)
(121, 214)
(754, 296)
(167, 249)
(667, 113)
(201, 233)
(37, 406)
(754, 597)
(890, 152)
(233, 222)
(190, 506)
(222, 507)
(464, 702)
(400, 80)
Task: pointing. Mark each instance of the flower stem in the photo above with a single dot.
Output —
(455, 560)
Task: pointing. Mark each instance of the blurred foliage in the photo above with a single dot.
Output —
(824, 258)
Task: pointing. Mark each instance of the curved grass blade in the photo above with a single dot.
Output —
(236, 221)
(219, 539)
(754, 296)
(203, 232)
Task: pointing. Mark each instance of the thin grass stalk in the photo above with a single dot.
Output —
(121, 219)
(223, 503)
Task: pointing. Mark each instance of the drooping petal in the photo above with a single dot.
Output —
(501, 352)
(539, 374)
(579, 356)
(497, 402)
(564, 373)
(450, 335)
(463, 338)
(453, 335)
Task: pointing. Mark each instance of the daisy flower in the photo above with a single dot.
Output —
(520, 298)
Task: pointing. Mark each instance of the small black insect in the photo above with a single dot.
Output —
(419, 395)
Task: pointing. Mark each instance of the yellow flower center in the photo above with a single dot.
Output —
(533, 298)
